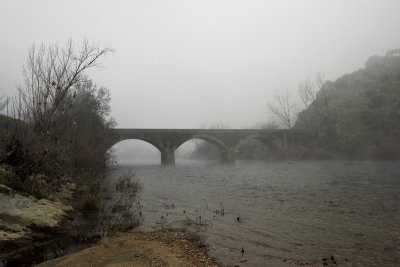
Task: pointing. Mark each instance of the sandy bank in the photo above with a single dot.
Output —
(160, 248)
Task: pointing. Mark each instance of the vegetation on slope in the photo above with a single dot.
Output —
(358, 115)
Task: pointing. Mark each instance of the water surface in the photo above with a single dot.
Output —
(280, 213)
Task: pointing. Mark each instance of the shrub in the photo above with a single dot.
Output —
(123, 210)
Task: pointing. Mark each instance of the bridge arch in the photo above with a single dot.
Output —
(140, 139)
(223, 149)
(211, 139)
(150, 147)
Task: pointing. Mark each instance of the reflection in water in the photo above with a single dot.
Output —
(280, 212)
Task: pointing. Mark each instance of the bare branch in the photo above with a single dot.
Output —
(50, 74)
(284, 109)
(307, 92)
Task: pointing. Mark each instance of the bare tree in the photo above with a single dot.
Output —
(322, 89)
(284, 109)
(314, 100)
(270, 125)
(307, 93)
(219, 125)
(393, 52)
(49, 74)
(3, 102)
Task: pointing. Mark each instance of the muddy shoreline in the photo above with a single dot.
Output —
(177, 247)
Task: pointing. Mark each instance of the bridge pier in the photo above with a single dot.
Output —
(167, 157)
(227, 157)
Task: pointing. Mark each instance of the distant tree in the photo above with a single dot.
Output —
(307, 93)
(313, 96)
(322, 89)
(3, 102)
(220, 125)
(270, 125)
(284, 109)
(393, 52)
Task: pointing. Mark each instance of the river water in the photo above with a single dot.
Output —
(280, 213)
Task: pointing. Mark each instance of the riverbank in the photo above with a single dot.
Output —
(177, 247)
(27, 222)
(48, 217)
(38, 227)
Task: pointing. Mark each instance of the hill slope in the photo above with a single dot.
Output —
(359, 114)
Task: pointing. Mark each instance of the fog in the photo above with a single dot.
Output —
(188, 64)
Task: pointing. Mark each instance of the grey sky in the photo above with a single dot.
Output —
(183, 64)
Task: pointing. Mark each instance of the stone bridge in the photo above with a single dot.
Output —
(226, 140)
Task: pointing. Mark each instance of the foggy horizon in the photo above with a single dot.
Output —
(189, 64)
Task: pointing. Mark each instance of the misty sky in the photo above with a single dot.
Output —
(188, 64)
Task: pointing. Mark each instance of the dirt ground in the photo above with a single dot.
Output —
(160, 248)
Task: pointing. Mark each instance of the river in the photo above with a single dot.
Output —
(279, 213)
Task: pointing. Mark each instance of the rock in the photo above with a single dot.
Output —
(5, 190)
(25, 218)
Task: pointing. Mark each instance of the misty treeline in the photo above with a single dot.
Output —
(357, 116)
(57, 126)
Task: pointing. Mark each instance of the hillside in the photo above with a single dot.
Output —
(358, 115)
